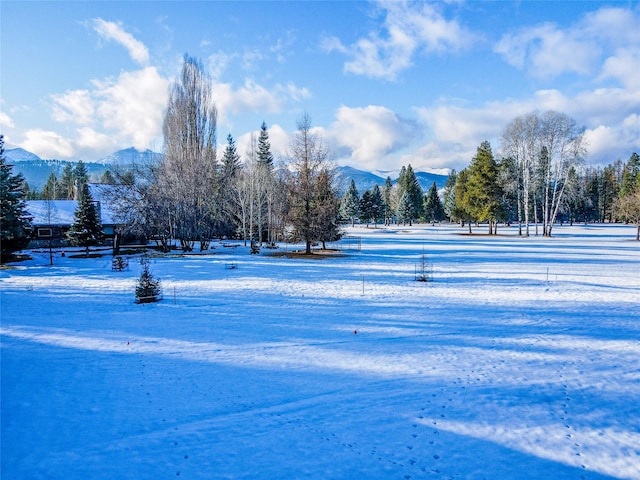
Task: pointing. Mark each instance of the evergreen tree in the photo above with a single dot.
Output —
(127, 178)
(15, 222)
(30, 193)
(148, 288)
(65, 185)
(265, 157)
(433, 209)
(460, 211)
(86, 229)
(631, 175)
(50, 189)
(350, 203)
(608, 193)
(386, 197)
(405, 210)
(107, 178)
(377, 205)
(80, 176)
(414, 191)
(326, 205)
(230, 160)
(450, 195)
(366, 208)
(402, 178)
(508, 180)
(483, 196)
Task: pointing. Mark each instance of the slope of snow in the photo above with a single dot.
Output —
(519, 361)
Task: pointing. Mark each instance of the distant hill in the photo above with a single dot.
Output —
(131, 156)
(366, 180)
(19, 155)
(36, 170)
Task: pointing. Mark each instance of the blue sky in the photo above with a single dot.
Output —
(385, 83)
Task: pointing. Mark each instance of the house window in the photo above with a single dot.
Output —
(45, 232)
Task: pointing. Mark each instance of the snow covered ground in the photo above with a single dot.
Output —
(521, 360)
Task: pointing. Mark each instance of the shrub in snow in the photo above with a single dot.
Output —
(149, 288)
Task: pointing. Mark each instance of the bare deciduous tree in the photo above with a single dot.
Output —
(310, 169)
(545, 148)
(188, 174)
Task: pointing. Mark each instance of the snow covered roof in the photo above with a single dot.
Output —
(52, 212)
(61, 212)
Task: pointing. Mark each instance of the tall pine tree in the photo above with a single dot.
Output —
(350, 203)
(483, 199)
(86, 229)
(15, 222)
(450, 195)
(265, 157)
(64, 189)
(377, 205)
(433, 210)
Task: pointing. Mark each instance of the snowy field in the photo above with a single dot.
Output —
(521, 360)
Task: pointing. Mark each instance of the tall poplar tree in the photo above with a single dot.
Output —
(188, 176)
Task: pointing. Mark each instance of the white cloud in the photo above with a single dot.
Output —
(114, 31)
(410, 28)
(127, 110)
(548, 50)
(218, 63)
(609, 116)
(90, 140)
(252, 97)
(6, 121)
(47, 144)
(624, 66)
(75, 106)
(133, 105)
(280, 140)
(369, 134)
(609, 143)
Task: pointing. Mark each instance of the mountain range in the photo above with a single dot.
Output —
(36, 170)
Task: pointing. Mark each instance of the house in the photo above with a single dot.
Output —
(52, 219)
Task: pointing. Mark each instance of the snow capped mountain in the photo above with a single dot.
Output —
(366, 180)
(130, 156)
(20, 155)
(36, 170)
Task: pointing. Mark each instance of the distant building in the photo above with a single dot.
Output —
(52, 219)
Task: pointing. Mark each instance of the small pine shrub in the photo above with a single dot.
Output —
(149, 288)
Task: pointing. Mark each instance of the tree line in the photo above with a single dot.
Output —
(538, 179)
(192, 196)
(401, 202)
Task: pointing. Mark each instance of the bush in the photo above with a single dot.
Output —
(149, 288)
